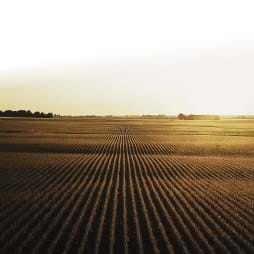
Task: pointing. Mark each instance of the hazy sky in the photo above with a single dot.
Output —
(127, 57)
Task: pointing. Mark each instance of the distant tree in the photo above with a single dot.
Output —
(25, 113)
(181, 116)
(49, 115)
(29, 113)
(199, 117)
(9, 113)
(37, 114)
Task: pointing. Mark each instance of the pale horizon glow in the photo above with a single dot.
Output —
(124, 58)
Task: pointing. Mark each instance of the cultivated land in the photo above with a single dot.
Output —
(126, 186)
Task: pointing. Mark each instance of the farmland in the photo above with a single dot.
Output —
(126, 186)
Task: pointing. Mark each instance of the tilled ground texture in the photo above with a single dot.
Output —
(126, 186)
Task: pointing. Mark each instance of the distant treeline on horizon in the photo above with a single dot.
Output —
(181, 116)
(25, 113)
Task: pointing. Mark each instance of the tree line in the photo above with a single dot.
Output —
(25, 113)
(181, 116)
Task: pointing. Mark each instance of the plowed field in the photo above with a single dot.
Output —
(126, 186)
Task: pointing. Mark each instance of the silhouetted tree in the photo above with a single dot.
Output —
(181, 116)
(37, 114)
(49, 115)
(25, 113)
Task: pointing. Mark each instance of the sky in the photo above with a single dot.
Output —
(127, 57)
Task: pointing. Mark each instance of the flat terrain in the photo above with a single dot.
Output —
(126, 186)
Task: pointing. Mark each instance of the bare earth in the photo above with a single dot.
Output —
(126, 186)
